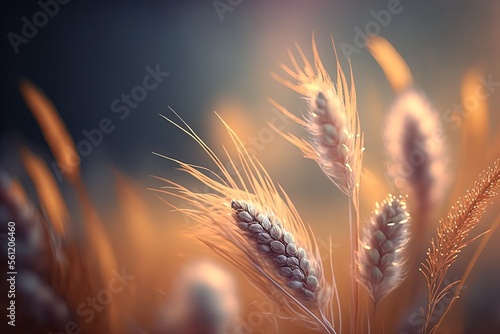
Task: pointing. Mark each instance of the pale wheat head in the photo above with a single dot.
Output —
(203, 300)
(381, 258)
(336, 142)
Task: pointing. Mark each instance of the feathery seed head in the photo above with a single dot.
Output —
(381, 256)
(453, 235)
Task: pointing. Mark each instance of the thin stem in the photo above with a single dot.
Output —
(356, 286)
(353, 231)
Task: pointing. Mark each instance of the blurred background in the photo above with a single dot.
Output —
(92, 60)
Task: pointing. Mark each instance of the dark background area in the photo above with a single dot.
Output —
(91, 52)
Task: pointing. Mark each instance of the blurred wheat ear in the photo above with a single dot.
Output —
(243, 196)
(452, 236)
(42, 305)
(414, 140)
(382, 257)
(417, 158)
(203, 300)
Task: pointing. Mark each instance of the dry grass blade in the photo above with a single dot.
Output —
(242, 189)
(64, 150)
(48, 191)
(452, 236)
(392, 63)
(381, 265)
(53, 128)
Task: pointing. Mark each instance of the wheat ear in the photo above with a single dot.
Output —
(381, 259)
(331, 120)
(243, 195)
(416, 151)
(452, 236)
(271, 239)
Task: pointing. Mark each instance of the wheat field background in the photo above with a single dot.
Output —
(111, 68)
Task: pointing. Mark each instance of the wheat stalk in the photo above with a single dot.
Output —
(381, 258)
(452, 236)
(243, 196)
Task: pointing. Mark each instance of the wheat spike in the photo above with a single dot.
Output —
(272, 239)
(452, 236)
(244, 192)
(416, 152)
(331, 120)
(381, 257)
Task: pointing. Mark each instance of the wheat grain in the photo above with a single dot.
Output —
(452, 236)
(416, 151)
(381, 258)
